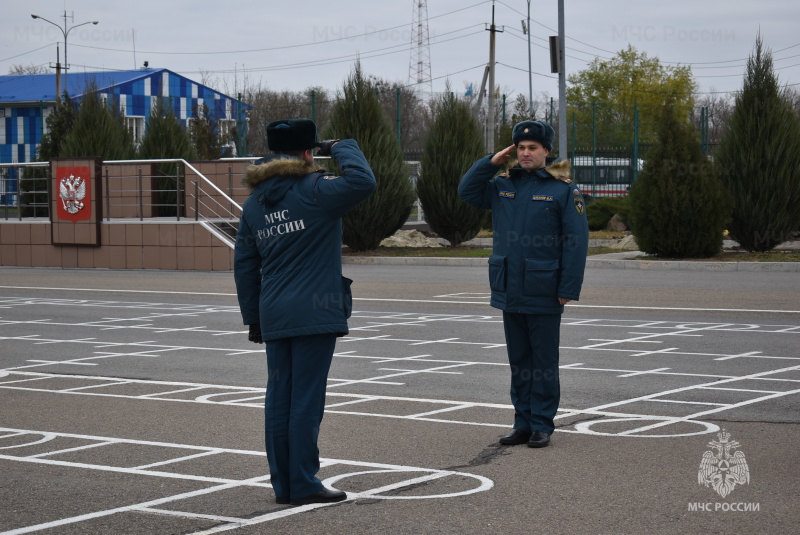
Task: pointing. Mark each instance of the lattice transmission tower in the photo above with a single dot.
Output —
(419, 68)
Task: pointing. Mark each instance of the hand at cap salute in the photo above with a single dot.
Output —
(502, 157)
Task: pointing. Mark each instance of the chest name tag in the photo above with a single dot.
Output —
(508, 194)
(548, 198)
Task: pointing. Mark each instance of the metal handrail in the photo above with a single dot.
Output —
(26, 164)
(218, 203)
(188, 165)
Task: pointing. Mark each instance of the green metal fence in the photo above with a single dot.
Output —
(601, 170)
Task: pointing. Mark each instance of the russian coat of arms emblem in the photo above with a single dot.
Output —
(72, 191)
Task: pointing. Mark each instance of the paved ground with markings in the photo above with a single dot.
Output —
(133, 403)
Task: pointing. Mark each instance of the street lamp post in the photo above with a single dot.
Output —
(65, 32)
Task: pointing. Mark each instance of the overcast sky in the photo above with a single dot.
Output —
(296, 45)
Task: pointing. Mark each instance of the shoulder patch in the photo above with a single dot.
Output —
(579, 206)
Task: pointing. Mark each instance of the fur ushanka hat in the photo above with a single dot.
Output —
(535, 131)
(291, 134)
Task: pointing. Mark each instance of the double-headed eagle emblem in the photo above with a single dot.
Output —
(721, 469)
(72, 192)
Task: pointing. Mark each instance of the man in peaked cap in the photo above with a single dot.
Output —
(541, 237)
(292, 295)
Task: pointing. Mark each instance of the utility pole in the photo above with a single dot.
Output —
(527, 28)
(490, 119)
(562, 86)
(58, 74)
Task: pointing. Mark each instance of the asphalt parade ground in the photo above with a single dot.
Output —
(131, 402)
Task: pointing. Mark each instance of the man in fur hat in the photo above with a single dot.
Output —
(292, 295)
(539, 253)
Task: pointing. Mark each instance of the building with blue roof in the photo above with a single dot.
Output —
(27, 99)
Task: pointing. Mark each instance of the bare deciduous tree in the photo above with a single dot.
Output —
(28, 69)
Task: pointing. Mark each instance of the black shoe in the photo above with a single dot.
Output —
(323, 496)
(281, 501)
(539, 439)
(515, 437)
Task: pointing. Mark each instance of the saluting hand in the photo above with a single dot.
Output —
(502, 157)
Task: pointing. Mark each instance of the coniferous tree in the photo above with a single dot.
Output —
(357, 114)
(679, 207)
(209, 144)
(759, 158)
(59, 124)
(98, 131)
(166, 138)
(34, 192)
(454, 143)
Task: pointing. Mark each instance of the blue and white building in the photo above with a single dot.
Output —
(27, 99)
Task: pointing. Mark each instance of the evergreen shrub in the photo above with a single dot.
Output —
(166, 138)
(759, 159)
(679, 207)
(357, 114)
(453, 144)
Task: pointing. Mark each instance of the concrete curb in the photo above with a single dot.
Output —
(727, 245)
(682, 265)
(414, 261)
(593, 262)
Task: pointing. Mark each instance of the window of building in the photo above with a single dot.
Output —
(136, 126)
(226, 128)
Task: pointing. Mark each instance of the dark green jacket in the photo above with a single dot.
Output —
(541, 235)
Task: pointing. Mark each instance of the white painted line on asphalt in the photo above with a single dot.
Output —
(69, 450)
(179, 459)
(50, 362)
(740, 355)
(741, 390)
(400, 374)
(398, 359)
(643, 372)
(158, 394)
(420, 371)
(102, 385)
(386, 300)
(443, 340)
(220, 484)
(584, 427)
(712, 411)
(108, 512)
(351, 402)
(656, 352)
(439, 411)
(681, 402)
(114, 290)
(185, 514)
